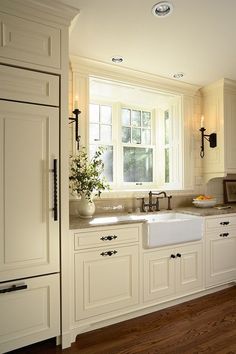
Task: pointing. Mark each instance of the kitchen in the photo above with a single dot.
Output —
(34, 97)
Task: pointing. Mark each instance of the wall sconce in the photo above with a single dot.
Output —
(209, 137)
(75, 120)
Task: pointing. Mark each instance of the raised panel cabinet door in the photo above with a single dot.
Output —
(158, 275)
(189, 269)
(105, 283)
(230, 128)
(220, 259)
(31, 313)
(29, 42)
(29, 233)
(28, 86)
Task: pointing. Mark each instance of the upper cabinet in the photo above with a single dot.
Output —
(219, 109)
(29, 42)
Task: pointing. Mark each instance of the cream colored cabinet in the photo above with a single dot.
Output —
(219, 109)
(106, 276)
(28, 86)
(29, 231)
(220, 250)
(29, 42)
(29, 311)
(172, 272)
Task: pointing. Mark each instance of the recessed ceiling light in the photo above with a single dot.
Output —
(162, 9)
(117, 59)
(178, 75)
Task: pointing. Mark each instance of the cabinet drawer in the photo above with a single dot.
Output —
(28, 86)
(29, 314)
(106, 236)
(221, 233)
(29, 42)
(220, 223)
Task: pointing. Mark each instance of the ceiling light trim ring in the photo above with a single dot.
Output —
(162, 9)
(117, 59)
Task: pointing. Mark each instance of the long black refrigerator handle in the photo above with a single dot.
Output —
(55, 207)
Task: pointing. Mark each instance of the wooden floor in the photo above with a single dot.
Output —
(205, 325)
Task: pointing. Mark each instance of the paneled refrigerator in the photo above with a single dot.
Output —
(29, 213)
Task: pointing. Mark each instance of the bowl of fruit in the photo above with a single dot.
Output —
(204, 201)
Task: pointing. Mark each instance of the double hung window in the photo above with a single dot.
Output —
(142, 141)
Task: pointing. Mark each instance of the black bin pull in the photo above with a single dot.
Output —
(12, 288)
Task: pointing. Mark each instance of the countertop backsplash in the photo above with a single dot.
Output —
(130, 205)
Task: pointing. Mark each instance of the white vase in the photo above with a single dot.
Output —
(86, 208)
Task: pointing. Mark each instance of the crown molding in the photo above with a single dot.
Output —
(53, 11)
(86, 66)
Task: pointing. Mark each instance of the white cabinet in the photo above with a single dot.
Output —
(29, 233)
(172, 272)
(29, 42)
(220, 250)
(29, 311)
(219, 109)
(106, 275)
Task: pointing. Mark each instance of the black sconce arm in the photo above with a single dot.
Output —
(75, 120)
(212, 138)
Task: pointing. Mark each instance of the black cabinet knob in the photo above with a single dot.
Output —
(178, 255)
(172, 256)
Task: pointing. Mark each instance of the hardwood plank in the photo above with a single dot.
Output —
(205, 325)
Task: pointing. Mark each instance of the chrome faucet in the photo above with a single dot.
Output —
(150, 203)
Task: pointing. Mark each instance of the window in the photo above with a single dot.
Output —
(136, 139)
(141, 133)
(100, 133)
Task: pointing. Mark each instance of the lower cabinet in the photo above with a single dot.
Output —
(105, 280)
(106, 271)
(172, 272)
(30, 312)
(220, 257)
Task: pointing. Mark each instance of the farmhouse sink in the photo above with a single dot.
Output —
(171, 228)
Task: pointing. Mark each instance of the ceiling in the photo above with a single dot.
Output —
(198, 38)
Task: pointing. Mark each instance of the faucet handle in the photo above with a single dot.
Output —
(143, 203)
(169, 205)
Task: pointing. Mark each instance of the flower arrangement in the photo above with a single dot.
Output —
(86, 175)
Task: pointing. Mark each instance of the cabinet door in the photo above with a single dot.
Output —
(29, 235)
(220, 258)
(230, 128)
(189, 269)
(105, 283)
(159, 275)
(31, 313)
(29, 42)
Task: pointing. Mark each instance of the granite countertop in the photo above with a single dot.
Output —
(123, 218)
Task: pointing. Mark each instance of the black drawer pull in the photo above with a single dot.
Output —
(172, 256)
(108, 238)
(225, 234)
(108, 253)
(224, 223)
(13, 288)
(178, 255)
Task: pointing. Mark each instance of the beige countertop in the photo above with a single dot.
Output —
(123, 218)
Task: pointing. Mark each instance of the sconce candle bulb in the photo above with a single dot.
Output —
(76, 103)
